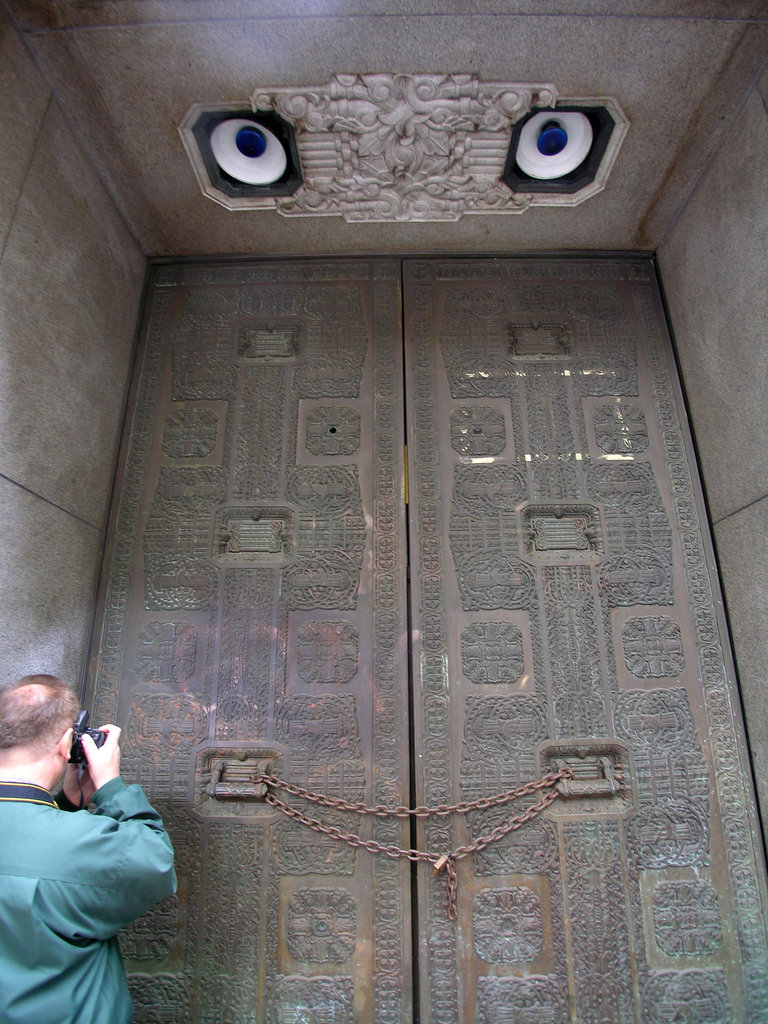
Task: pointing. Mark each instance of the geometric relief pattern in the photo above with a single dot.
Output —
(330, 538)
(605, 377)
(234, 889)
(490, 583)
(530, 850)
(628, 487)
(246, 640)
(621, 429)
(653, 647)
(166, 652)
(162, 724)
(150, 936)
(333, 430)
(211, 562)
(162, 730)
(484, 538)
(238, 717)
(477, 431)
(559, 533)
(499, 736)
(175, 544)
(297, 851)
(575, 361)
(322, 581)
(296, 1000)
(325, 490)
(601, 951)
(572, 631)
(539, 340)
(184, 490)
(595, 304)
(670, 834)
(492, 652)
(337, 341)
(660, 720)
(177, 581)
(690, 997)
(642, 576)
(551, 434)
(671, 826)
(488, 490)
(270, 341)
(327, 652)
(159, 998)
(258, 446)
(190, 433)
(507, 925)
(322, 926)
(323, 737)
(252, 535)
(527, 1000)
(686, 918)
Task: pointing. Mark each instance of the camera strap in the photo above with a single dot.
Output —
(26, 792)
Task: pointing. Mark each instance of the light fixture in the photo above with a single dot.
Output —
(242, 156)
(248, 151)
(553, 143)
(558, 150)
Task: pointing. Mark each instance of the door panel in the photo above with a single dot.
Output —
(254, 617)
(256, 614)
(563, 615)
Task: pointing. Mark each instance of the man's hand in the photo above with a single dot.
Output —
(103, 766)
(103, 761)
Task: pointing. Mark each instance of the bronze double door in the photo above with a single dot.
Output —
(528, 590)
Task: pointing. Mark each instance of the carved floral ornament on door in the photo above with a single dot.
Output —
(383, 147)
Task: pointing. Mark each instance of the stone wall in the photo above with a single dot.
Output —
(714, 267)
(71, 276)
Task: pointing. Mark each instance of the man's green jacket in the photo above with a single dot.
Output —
(68, 883)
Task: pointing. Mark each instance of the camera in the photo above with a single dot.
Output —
(76, 753)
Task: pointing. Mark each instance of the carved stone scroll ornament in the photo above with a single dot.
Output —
(403, 147)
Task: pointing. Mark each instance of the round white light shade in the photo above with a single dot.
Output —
(263, 169)
(539, 165)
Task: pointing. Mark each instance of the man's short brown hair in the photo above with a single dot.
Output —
(35, 711)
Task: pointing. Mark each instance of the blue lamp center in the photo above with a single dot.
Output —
(250, 142)
(552, 139)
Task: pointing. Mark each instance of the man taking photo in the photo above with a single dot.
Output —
(69, 879)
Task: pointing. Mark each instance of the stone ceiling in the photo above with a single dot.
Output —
(128, 71)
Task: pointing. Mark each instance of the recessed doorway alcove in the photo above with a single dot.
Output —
(97, 196)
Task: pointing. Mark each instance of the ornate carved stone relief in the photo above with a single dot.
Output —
(406, 147)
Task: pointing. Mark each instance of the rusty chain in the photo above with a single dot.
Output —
(439, 861)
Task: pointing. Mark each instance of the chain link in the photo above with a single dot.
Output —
(440, 861)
